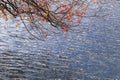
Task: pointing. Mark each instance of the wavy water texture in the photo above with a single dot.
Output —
(90, 51)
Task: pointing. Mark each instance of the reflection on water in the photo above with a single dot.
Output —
(89, 53)
(36, 66)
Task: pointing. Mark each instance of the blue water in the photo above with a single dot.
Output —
(89, 52)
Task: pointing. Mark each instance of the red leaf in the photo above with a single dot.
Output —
(20, 11)
(46, 34)
(78, 21)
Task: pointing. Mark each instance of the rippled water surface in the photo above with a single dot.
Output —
(91, 52)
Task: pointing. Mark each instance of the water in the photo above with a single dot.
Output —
(89, 52)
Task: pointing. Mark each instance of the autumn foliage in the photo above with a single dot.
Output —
(61, 14)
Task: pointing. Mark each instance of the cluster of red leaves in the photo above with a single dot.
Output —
(59, 13)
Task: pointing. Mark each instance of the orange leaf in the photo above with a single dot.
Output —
(6, 19)
(71, 13)
(70, 19)
(18, 24)
(11, 17)
(66, 29)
